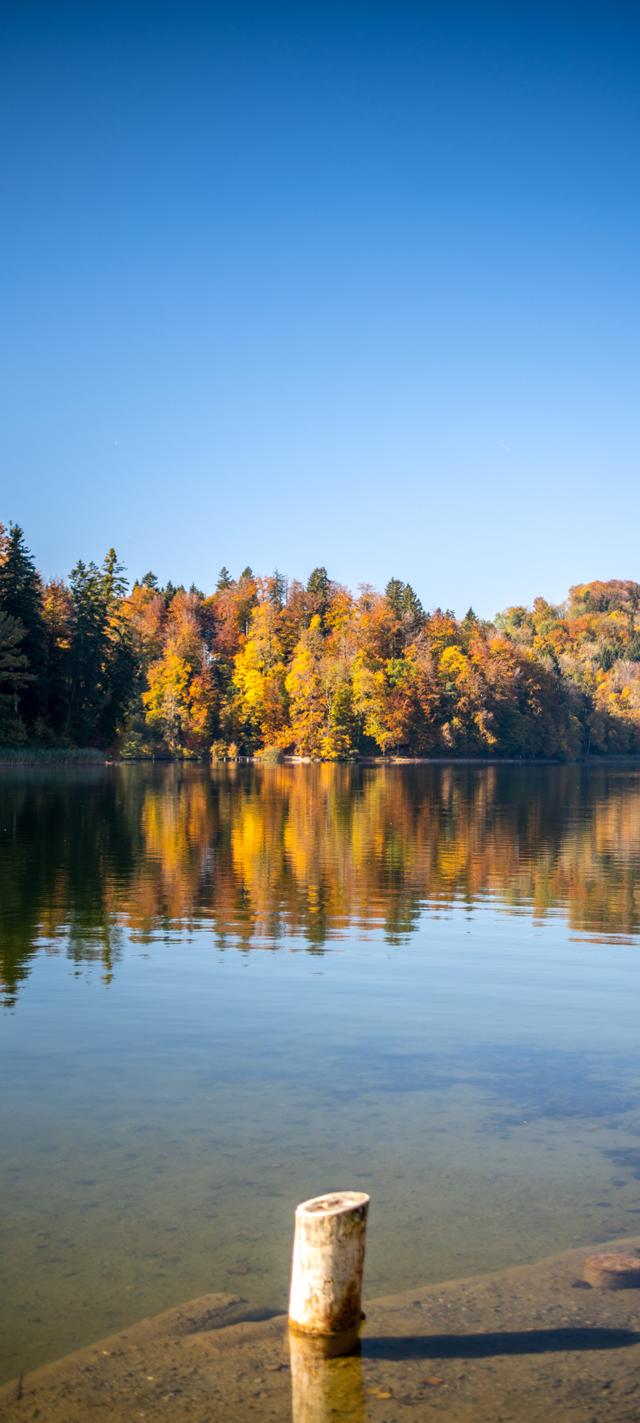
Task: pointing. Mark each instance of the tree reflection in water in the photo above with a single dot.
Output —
(264, 855)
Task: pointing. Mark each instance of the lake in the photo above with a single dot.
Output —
(227, 990)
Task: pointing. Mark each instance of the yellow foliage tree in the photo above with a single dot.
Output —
(178, 700)
(320, 697)
(259, 678)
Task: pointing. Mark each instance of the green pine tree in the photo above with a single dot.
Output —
(15, 678)
(20, 597)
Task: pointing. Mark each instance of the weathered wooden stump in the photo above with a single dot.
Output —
(328, 1261)
(612, 1271)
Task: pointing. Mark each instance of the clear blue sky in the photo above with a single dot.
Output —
(353, 284)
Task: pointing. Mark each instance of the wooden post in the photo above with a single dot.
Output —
(328, 1260)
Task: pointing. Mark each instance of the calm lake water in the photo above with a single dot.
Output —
(227, 990)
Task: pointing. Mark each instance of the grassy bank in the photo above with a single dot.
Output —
(50, 756)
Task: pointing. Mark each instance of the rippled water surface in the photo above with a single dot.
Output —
(227, 990)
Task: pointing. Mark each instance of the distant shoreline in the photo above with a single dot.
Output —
(44, 757)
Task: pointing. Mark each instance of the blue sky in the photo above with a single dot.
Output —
(353, 284)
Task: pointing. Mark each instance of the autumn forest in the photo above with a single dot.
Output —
(267, 666)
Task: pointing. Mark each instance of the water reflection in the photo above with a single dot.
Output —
(266, 855)
(326, 1379)
(476, 1075)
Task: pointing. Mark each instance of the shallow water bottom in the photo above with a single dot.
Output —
(485, 1157)
(466, 1182)
(225, 994)
(512, 1345)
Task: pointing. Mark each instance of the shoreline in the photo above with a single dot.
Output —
(517, 1343)
(91, 756)
(46, 758)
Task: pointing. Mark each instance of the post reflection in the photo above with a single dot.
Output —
(326, 1378)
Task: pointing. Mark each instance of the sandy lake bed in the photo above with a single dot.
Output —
(522, 1344)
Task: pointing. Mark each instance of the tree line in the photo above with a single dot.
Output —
(264, 666)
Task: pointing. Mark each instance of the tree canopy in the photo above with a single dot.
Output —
(270, 664)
